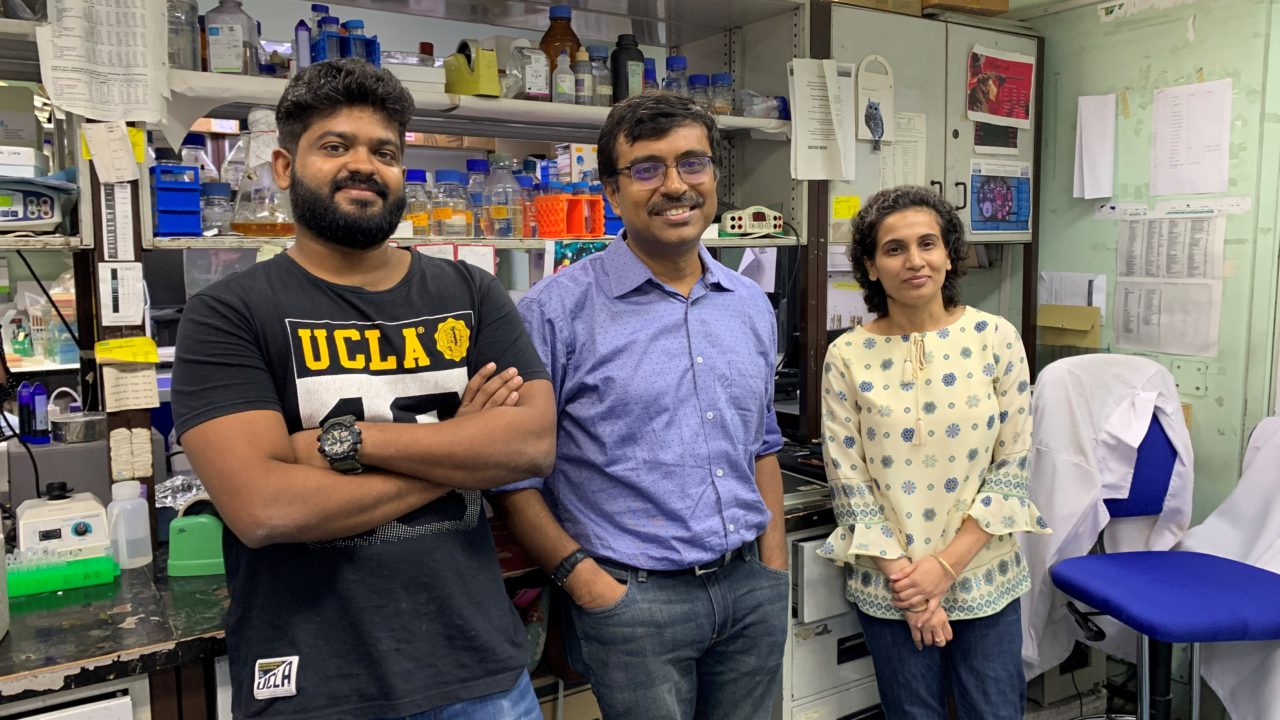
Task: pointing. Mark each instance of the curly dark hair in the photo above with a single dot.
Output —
(648, 117)
(326, 87)
(866, 228)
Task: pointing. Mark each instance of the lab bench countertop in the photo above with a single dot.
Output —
(143, 622)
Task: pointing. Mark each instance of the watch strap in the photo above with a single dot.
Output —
(347, 464)
(566, 566)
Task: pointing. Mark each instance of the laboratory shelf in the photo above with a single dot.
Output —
(241, 241)
(34, 241)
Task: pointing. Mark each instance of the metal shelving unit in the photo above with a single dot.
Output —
(241, 241)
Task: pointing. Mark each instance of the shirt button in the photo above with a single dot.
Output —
(720, 472)
(711, 416)
(699, 359)
(731, 527)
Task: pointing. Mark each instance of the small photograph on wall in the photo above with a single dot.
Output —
(1000, 86)
(995, 139)
(999, 196)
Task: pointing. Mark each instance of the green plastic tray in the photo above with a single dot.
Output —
(61, 575)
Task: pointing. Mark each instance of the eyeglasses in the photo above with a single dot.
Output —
(647, 175)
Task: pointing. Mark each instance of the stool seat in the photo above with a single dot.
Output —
(1177, 597)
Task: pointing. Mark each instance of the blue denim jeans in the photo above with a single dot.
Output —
(518, 703)
(981, 667)
(686, 647)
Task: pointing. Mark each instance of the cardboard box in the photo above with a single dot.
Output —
(18, 123)
(1069, 325)
(972, 7)
(903, 7)
(1186, 413)
(578, 705)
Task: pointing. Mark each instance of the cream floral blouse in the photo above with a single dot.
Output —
(919, 432)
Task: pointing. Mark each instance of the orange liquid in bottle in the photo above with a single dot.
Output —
(263, 229)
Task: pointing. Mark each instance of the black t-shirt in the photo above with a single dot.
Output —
(408, 616)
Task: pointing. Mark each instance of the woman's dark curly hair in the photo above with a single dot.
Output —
(866, 228)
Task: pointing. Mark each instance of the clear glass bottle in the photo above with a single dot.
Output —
(584, 79)
(262, 208)
(233, 39)
(195, 152)
(503, 200)
(650, 76)
(233, 166)
(700, 91)
(184, 34)
(722, 93)
(527, 195)
(216, 210)
(603, 79)
(677, 80)
(477, 179)
(563, 81)
(560, 37)
(317, 11)
(450, 208)
(417, 209)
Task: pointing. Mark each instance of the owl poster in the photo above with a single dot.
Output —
(875, 101)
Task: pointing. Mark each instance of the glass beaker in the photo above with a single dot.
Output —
(262, 208)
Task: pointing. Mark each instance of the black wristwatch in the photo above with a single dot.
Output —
(566, 566)
(340, 444)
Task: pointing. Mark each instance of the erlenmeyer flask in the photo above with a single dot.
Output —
(262, 208)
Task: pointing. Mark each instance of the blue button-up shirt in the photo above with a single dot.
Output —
(664, 402)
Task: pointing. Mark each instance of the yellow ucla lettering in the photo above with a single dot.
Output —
(348, 361)
(414, 354)
(317, 356)
(376, 361)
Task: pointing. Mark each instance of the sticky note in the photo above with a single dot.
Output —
(844, 207)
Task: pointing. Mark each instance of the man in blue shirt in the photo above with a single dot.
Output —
(662, 519)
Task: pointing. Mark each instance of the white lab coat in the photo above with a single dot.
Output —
(1246, 527)
(1091, 413)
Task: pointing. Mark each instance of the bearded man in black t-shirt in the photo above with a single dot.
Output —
(343, 406)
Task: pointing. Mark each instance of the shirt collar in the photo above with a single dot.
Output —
(628, 272)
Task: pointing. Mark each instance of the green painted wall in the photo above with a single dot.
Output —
(1235, 39)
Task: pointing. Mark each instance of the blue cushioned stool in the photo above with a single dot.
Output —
(1169, 597)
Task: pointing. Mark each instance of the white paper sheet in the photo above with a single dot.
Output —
(822, 147)
(101, 59)
(903, 162)
(1191, 139)
(120, 293)
(1095, 146)
(131, 386)
(760, 265)
(845, 306)
(1169, 316)
(110, 151)
(875, 100)
(1072, 288)
(117, 222)
(482, 256)
(1180, 247)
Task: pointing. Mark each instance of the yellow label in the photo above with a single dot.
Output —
(452, 339)
(442, 213)
(499, 212)
(844, 207)
(419, 220)
(137, 139)
(846, 285)
(127, 350)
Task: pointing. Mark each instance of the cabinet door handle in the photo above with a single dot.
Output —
(937, 184)
(964, 194)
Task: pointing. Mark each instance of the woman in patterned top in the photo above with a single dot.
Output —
(926, 429)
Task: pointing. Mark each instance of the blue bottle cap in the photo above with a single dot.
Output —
(415, 176)
(352, 25)
(478, 166)
(677, 63)
(723, 78)
(318, 8)
(597, 52)
(561, 12)
(525, 181)
(195, 140)
(328, 20)
(699, 80)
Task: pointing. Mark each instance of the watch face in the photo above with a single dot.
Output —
(338, 441)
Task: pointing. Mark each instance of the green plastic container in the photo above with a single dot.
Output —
(61, 575)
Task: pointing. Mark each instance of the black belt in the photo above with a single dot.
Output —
(707, 567)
